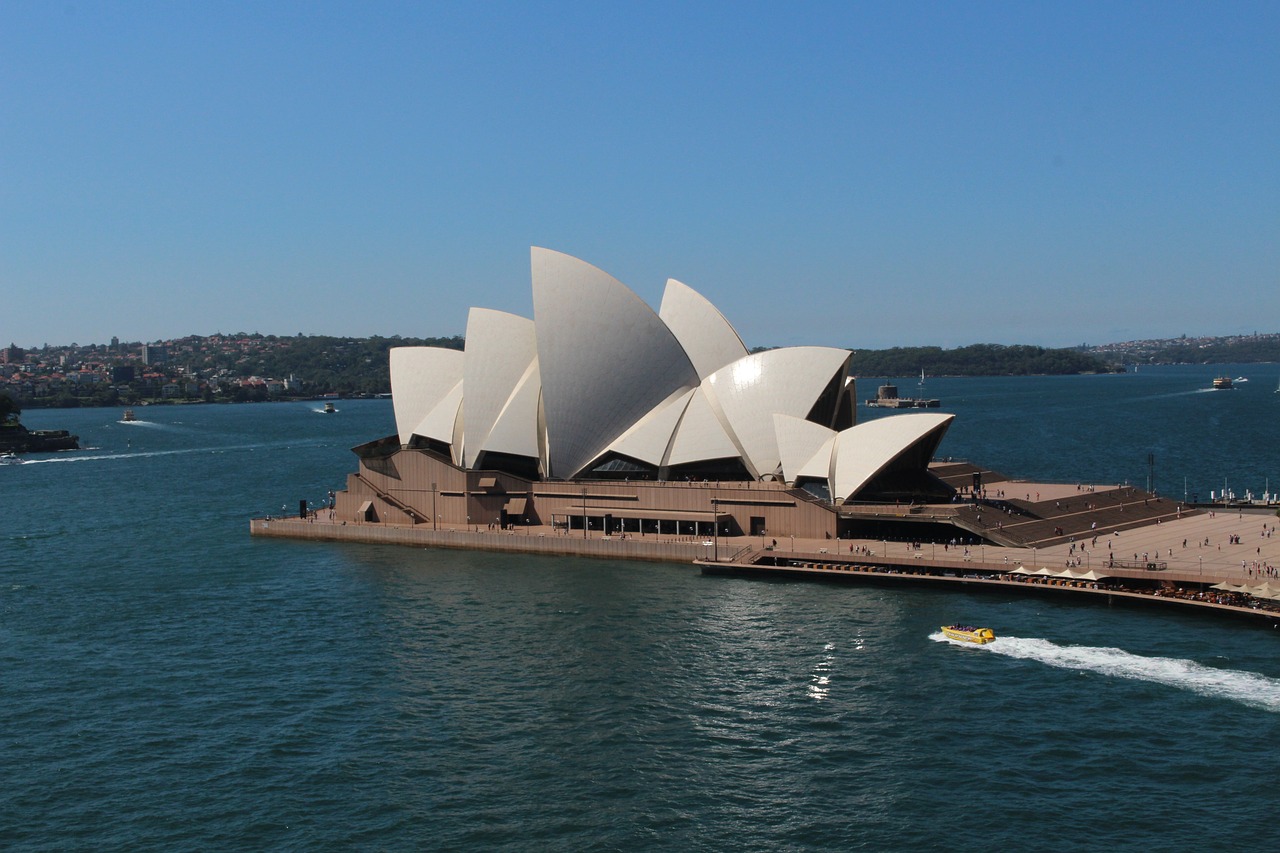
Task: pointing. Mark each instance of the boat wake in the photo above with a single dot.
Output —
(146, 454)
(1247, 688)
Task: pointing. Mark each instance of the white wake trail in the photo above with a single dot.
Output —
(1249, 688)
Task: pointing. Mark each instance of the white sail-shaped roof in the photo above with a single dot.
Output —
(516, 429)
(649, 439)
(702, 330)
(798, 441)
(500, 349)
(783, 382)
(606, 359)
(701, 435)
(863, 451)
(420, 378)
(819, 466)
(442, 422)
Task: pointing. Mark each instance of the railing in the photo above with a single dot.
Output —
(1145, 565)
(391, 499)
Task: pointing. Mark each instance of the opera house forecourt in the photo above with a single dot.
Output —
(603, 428)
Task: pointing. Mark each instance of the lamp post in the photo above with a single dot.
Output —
(584, 512)
(434, 516)
(715, 530)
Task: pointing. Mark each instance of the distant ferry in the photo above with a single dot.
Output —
(329, 409)
(1222, 383)
(969, 634)
(128, 416)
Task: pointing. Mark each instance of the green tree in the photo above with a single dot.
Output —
(9, 409)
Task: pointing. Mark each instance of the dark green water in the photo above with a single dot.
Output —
(169, 683)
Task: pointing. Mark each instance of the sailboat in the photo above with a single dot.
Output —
(922, 377)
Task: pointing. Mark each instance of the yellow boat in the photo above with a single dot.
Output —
(969, 634)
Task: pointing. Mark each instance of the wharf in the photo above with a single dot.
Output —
(1174, 562)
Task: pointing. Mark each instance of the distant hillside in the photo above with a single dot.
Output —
(1235, 349)
(978, 360)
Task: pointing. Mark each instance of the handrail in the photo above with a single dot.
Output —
(391, 499)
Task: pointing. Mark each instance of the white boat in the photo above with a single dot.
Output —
(10, 459)
(1240, 379)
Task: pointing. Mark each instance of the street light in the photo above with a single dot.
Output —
(434, 517)
(715, 530)
(584, 512)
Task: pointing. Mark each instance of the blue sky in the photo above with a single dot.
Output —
(856, 174)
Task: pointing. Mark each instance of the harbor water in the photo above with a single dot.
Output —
(168, 682)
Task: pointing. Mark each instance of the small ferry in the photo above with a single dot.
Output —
(128, 417)
(969, 634)
(1222, 383)
(329, 409)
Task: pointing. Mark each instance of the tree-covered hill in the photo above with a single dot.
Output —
(977, 360)
(326, 364)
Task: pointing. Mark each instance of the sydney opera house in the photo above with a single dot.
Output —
(600, 416)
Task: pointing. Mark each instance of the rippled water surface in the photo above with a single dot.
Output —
(169, 683)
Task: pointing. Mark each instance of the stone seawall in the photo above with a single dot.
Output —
(382, 534)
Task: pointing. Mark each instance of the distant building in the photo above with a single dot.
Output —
(154, 354)
(12, 355)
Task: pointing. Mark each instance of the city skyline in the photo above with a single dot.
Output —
(865, 177)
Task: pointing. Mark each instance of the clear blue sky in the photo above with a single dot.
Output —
(857, 174)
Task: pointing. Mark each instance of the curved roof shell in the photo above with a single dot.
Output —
(799, 441)
(420, 379)
(649, 440)
(787, 381)
(605, 357)
(865, 450)
(708, 338)
(500, 349)
(515, 431)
